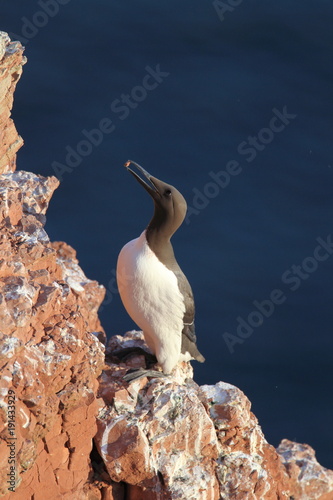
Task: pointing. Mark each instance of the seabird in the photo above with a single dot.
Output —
(154, 290)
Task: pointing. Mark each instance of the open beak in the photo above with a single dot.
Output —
(151, 188)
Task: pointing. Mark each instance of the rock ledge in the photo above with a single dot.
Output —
(168, 438)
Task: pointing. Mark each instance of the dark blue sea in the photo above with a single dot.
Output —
(231, 102)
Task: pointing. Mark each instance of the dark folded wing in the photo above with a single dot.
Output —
(188, 334)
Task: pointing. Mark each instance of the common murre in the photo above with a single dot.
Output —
(154, 290)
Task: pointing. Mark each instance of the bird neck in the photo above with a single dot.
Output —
(162, 226)
(158, 234)
(159, 242)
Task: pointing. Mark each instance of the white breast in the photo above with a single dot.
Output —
(150, 294)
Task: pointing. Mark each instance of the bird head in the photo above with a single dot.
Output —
(170, 205)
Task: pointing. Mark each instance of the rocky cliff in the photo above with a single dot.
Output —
(50, 357)
(153, 439)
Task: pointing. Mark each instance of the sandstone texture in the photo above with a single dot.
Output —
(50, 356)
(154, 439)
(11, 61)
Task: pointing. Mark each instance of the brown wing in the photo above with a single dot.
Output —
(188, 334)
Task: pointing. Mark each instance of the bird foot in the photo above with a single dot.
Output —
(127, 351)
(132, 375)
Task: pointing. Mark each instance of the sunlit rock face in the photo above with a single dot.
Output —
(50, 356)
(168, 438)
(11, 62)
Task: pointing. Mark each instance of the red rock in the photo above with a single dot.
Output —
(49, 355)
(163, 428)
(192, 442)
(11, 61)
(309, 478)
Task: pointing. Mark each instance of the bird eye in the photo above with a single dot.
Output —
(167, 192)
